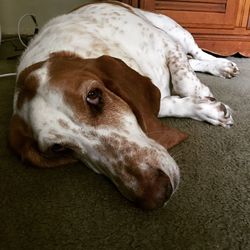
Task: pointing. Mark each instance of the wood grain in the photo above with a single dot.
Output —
(219, 26)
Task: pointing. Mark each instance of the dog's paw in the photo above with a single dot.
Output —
(214, 112)
(224, 68)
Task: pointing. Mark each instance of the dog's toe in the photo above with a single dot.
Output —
(214, 112)
(228, 69)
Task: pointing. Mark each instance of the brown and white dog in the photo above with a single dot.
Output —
(91, 85)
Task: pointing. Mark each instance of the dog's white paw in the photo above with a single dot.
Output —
(224, 68)
(209, 110)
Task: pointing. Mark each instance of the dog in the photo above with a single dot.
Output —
(91, 86)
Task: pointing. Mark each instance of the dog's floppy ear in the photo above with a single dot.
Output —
(21, 138)
(141, 95)
(23, 143)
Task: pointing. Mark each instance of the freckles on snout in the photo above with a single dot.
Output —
(138, 172)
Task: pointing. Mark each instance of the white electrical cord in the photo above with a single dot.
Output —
(6, 75)
(19, 24)
(20, 38)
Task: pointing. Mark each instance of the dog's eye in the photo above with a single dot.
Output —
(56, 148)
(94, 98)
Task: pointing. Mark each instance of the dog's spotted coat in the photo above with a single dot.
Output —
(71, 102)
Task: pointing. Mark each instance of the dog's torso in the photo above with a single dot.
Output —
(100, 29)
(91, 84)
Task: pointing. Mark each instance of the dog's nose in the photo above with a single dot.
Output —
(156, 190)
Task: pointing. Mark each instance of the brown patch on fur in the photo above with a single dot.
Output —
(98, 45)
(116, 146)
(116, 13)
(63, 124)
(27, 84)
(75, 83)
(117, 83)
(147, 186)
(75, 131)
(222, 108)
(22, 142)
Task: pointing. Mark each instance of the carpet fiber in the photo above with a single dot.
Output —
(74, 208)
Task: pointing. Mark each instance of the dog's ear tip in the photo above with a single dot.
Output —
(142, 96)
(168, 137)
(176, 139)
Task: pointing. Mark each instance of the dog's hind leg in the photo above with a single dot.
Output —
(218, 67)
(202, 61)
(197, 102)
(184, 80)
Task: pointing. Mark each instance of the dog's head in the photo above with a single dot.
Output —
(99, 111)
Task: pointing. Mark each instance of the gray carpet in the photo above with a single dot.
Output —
(73, 208)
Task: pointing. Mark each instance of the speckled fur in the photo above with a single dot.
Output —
(151, 44)
(154, 46)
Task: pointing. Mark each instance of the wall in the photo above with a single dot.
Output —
(12, 10)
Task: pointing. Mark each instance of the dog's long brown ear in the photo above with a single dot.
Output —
(142, 96)
(22, 142)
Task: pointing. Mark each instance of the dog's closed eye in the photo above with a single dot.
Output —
(57, 148)
(60, 149)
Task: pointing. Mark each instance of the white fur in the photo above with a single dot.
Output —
(153, 45)
(145, 41)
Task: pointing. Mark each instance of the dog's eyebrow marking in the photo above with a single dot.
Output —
(27, 84)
